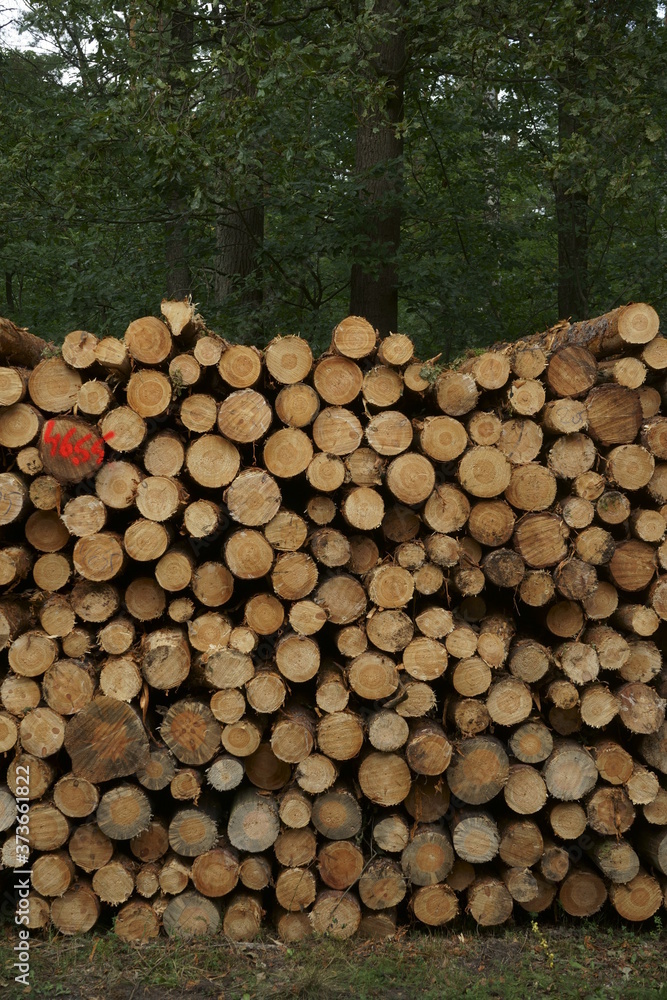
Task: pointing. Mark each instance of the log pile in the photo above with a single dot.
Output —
(339, 642)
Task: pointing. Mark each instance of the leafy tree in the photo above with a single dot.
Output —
(463, 171)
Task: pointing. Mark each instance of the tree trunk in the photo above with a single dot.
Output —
(240, 221)
(176, 237)
(572, 222)
(379, 152)
(239, 235)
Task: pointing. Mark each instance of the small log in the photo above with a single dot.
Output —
(382, 885)
(641, 709)
(475, 836)
(295, 889)
(614, 414)
(340, 735)
(31, 653)
(565, 416)
(609, 811)
(428, 799)
(434, 905)
(555, 862)
(158, 771)
(240, 366)
(292, 737)
(569, 772)
(387, 731)
(336, 913)
(340, 863)
(164, 454)
(148, 340)
(479, 770)
(185, 370)
(526, 396)
(338, 380)
(484, 428)
(616, 859)
(254, 822)
(114, 883)
(354, 337)
(295, 848)
(19, 426)
(316, 773)
(637, 899)
(582, 893)
(521, 842)
(297, 405)
(295, 809)
(521, 883)
(577, 512)
(52, 873)
(19, 694)
(123, 812)
(192, 832)
(148, 393)
(384, 778)
(525, 792)
(489, 901)
(332, 694)
(77, 911)
(286, 532)
(428, 751)
(137, 923)
(656, 810)
(190, 915)
(336, 814)
(428, 857)
(537, 588)
(255, 872)
(42, 733)
(391, 833)
(216, 872)
(642, 786)
(42, 775)
(456, 393)
(212, 462)
(568, 820)
(89, 848)
(225, 773)
(571, 371)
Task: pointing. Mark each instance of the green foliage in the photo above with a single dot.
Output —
(120, 136)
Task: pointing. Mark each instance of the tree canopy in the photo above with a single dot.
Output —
(463, 172)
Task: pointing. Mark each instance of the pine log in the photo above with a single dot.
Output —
(475, 836)
(137, 923)
(190, 915)
(479, 770)
(77, 911)
(89, 848)
(489, 901)
(336, 913)
(106, 740)
(582, 893)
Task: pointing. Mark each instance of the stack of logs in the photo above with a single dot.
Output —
(340, 642)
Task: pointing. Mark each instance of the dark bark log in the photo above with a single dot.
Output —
(18, 347)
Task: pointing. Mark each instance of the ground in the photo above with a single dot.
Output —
(586, 962)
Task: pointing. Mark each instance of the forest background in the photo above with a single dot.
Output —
(464, 172)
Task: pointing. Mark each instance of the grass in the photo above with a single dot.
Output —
(582, 963)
